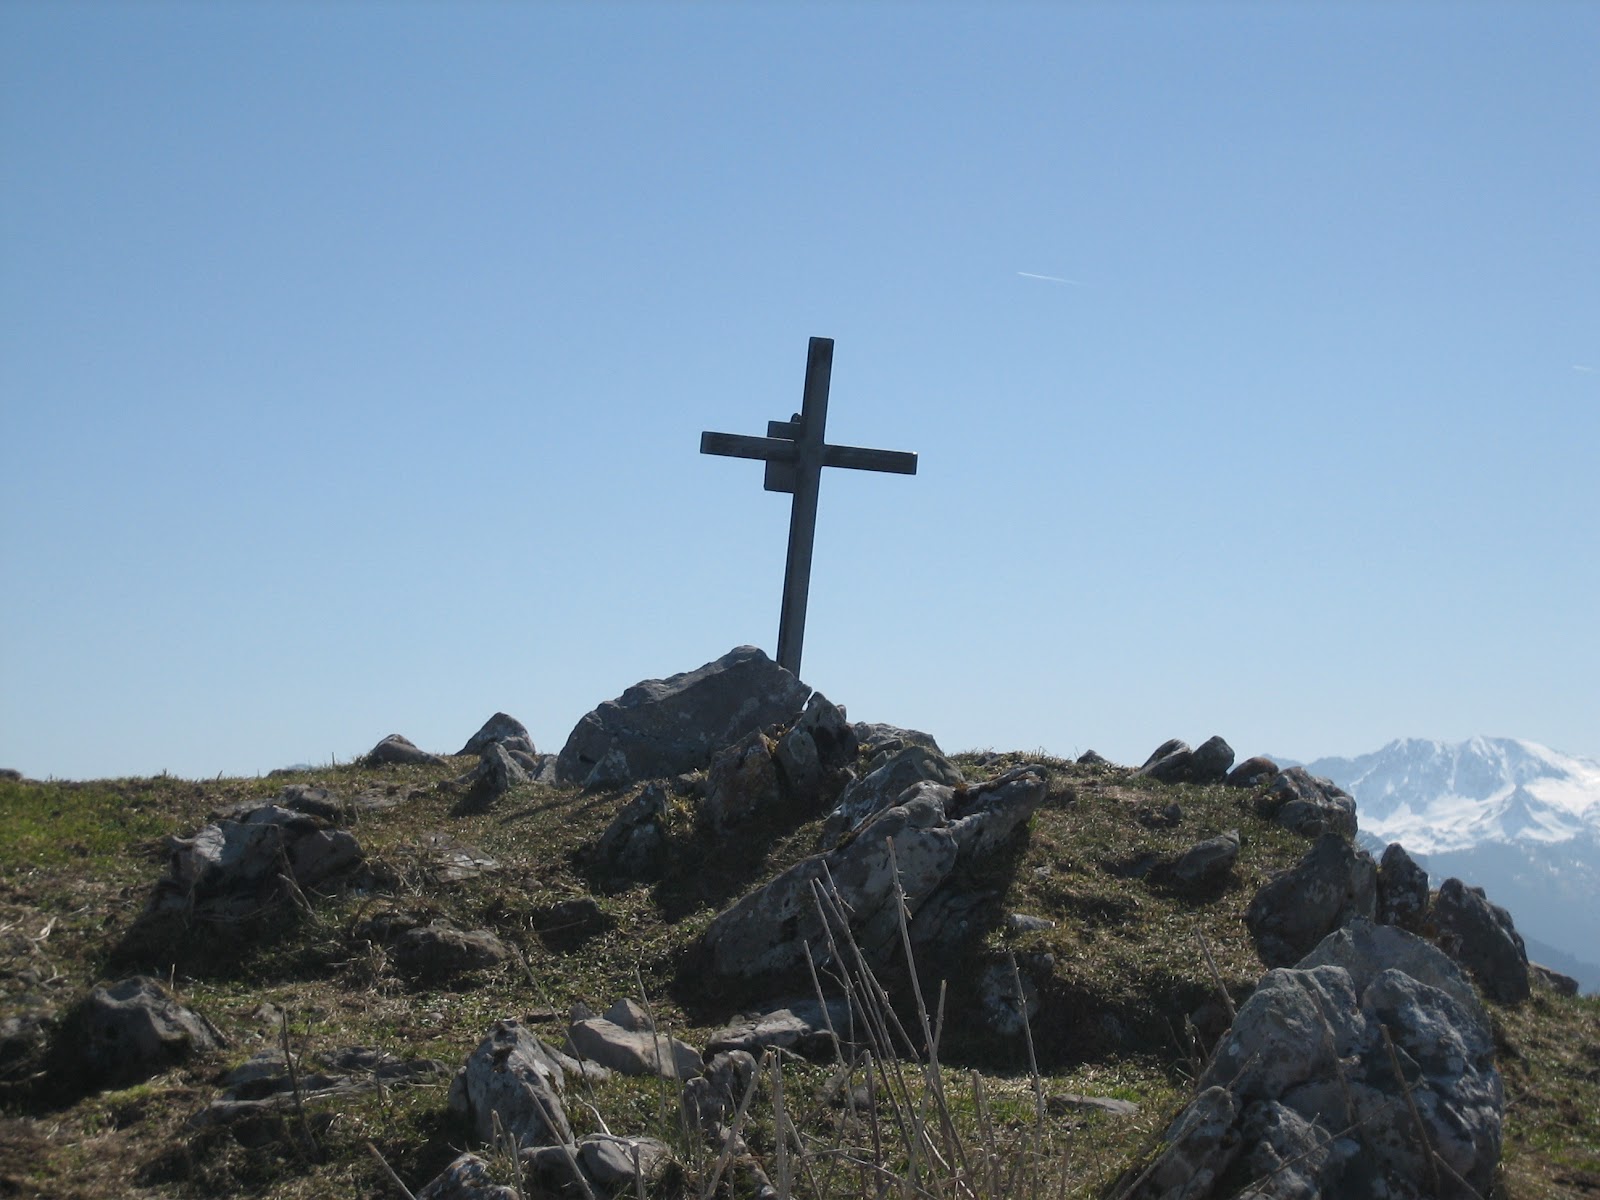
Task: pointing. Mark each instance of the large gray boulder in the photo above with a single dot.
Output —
(1302, 1098)
(124, 1033)
(933, 827)
(1334, 883)
(663, 727)
(1308, 804)
(1481, 937)
(512, 1075)
(234, 866)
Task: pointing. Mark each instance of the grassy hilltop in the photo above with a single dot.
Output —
(78, 862)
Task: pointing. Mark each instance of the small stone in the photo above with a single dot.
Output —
(1252, 772)
(467, 1178)
(498, 728)
(441, 951)
(1208, 861)
(1027, 923)
(395, 750)
(1564, 985)
(1402, 890)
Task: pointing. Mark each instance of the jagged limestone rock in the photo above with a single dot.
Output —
(885, 785)
(1302, 1098)
(1482, 937)
(1308, 805)
(1402, 890)
(932, 828)
(512, 1075)
(1334, 883)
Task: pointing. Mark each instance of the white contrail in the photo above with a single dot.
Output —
(1051, 278)
(1584, 369)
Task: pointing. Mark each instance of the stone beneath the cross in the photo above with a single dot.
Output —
(663, 727)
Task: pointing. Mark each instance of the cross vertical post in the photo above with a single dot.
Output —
(795, 451)
(809, 441)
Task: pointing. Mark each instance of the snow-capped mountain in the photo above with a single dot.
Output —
(1434, 797)
(1513, 817)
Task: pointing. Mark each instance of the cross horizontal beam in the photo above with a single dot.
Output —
(783, 449)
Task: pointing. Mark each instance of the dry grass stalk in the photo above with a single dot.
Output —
(294, 1085)
(389, 1171)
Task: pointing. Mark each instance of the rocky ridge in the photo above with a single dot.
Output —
(822, 856)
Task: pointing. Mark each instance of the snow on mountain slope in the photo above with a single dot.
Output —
(1516, 818)
(1435, 797)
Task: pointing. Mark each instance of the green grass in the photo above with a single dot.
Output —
(77, 863)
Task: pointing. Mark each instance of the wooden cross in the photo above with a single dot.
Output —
(795, 453)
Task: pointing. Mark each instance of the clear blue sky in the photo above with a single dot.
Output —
(354, 357)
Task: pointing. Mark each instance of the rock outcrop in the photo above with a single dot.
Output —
(1402, 890)
(513, 1077)
(1482, 937)
(661, 727)
(122, 1034)
(933, 827)
(1335, 883)
(233, 867)
(1308, 804)
(1349, 1076)
(1174, 762)
(893, 772)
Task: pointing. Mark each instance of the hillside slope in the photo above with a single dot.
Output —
(1121, 954)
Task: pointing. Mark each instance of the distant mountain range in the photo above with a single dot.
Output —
(1513, 817)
